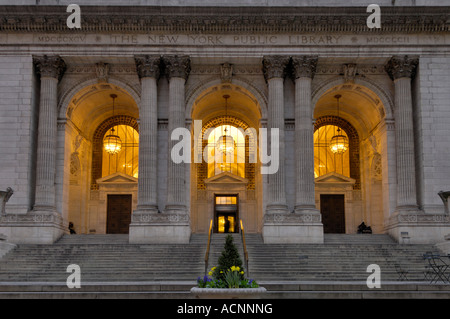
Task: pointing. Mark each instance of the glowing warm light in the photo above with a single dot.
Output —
(225, 144)
(339, 143)
(112, 143)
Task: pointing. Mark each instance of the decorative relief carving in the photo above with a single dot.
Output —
(402, 66)
(292, 218)
(102, 70)
(74, 164)
(49, 66)
(32, 218)
(349, 72)
(417, 219)
(160, 218)
(292, 19)
(226, 72)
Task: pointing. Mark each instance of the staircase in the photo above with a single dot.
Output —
(104, 258)
(110, 258)
(340, 258)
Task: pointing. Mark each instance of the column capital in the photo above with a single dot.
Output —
(401, 66)
(274, 66)
(177, 66)
(148, 66)
(304, 66)
(49, 66)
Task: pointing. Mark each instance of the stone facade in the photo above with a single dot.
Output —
(171, 66)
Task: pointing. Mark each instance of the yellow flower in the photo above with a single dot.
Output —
(242, 272)
(234, 268)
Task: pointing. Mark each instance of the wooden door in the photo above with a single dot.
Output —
(118, 217)
(332, 208)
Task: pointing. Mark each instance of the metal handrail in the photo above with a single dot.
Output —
(208, 246)
(245, 247)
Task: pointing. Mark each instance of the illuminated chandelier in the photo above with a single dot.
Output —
(339, 142)
(225, 143)
(112, 142)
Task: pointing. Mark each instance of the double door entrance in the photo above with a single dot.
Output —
(118, 214)
(226, 214)
(332, 208)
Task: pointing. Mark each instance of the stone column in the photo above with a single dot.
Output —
(177, 71)
(304, 68)
(44, 224)
(401, 69)
(50, 69)
(304, 225)
(274, 68)
(148, 69)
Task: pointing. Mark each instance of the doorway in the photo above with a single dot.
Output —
(332, 208)
(118, 216)
(226, 214)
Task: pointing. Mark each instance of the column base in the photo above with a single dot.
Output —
(35, 227)
(293, 228)
(416, 227)
(277, 209)
(159, 228)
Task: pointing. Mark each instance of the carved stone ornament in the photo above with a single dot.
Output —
(226, 72)
(203, 19)
(304, 66)
(32, 219)
(49, 66)
(402, 66)
(160, 218)
(414, 218)
(102, 70)
(177, 66)
(148, 65)
(292, 218)
(349, 72)
(275, 66)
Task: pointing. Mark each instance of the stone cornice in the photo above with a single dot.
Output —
(227, 19)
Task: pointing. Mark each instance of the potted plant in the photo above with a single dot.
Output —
(227, 280)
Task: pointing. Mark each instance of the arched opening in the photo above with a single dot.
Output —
(226, 183)
(98, 181)
(351, 187)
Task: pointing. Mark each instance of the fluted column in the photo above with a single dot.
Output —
(304, 68)
(401, 69)
(274, 68)
(177, 71)
(50, 69)
(148, 69)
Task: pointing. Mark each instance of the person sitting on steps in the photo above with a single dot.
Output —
(363, 229)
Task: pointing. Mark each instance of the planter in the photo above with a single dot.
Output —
(228, 293)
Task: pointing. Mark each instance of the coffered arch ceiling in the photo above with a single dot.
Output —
(357, 104)
(93, 104)
(241, 104)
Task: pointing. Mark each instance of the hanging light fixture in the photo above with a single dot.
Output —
(339, 142)
(112, 142)
(225, 143)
